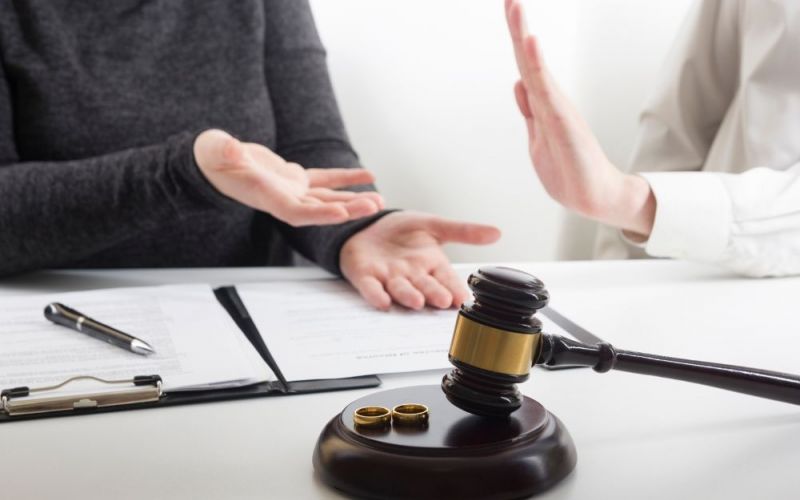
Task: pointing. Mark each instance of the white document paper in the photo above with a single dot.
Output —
(197, 344)
(323, 329)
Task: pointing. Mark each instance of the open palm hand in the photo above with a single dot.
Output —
(257, 177)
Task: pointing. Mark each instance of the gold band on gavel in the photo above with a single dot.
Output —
(492, 349)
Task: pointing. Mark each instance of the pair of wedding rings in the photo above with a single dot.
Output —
(411, 414)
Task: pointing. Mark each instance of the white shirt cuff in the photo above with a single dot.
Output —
(693, 216)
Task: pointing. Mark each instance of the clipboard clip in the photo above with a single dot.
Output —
(141, 389)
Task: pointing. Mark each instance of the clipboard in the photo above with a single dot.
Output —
(144, 391)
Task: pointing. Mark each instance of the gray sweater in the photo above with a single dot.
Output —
(100, 102)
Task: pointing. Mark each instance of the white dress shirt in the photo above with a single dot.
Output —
(719, 142)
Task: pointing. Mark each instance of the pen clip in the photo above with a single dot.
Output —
(145, 389)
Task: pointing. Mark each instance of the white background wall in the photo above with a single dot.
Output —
(425, 87)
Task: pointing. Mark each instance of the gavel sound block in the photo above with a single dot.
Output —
(484, 439)
(458, 455)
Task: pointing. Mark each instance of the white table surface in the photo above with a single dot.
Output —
(636, 436)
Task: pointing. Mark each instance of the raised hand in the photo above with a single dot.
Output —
(255, 176)
(400, 258)
(565, 153)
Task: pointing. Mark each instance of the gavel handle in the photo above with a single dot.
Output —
(561, 351)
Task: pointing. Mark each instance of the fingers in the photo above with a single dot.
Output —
(412, 288)
(361, 207)
(455, 285)
(518, 29)
(435, 293)
(324, 206)
(375, 197)
(405, 293)
(446, 230)
(515, 18)
(537, 81)
(413, 273)
(355, 206)
(372, 290)
(442, 288)
(325, 194)
(339, 177)
(307, 213)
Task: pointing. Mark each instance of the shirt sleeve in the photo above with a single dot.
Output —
(309, 127)
(55, 213)
(681, 118)
(748, 222)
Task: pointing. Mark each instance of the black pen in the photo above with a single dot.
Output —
(64, 316)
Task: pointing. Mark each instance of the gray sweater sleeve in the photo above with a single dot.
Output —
(63, 213)
(309, 127)
(54, 213)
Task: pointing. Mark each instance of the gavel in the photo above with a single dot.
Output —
(497, 339)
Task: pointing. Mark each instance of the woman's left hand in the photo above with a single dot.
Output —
(400, 258)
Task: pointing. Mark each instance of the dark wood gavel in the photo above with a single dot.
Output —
(497, 340)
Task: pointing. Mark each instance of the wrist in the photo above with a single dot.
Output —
(636, 207)
(185, 171)
(348, 238)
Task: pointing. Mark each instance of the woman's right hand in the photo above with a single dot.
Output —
(257, 177)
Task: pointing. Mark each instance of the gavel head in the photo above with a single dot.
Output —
(495, 341)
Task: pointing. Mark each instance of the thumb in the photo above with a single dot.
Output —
(446, 230)
(217, 148)
(521, 95)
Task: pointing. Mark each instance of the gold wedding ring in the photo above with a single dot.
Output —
(372, 416)
(410, 414)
